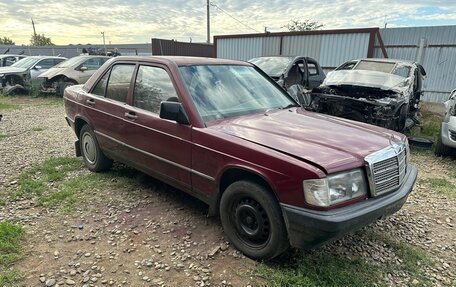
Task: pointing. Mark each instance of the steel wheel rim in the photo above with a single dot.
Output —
(251, 223)
(89, 148)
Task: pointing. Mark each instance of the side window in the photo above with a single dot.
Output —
(119, 82)
(58, 61)
(46, 63)
(153, 85)
(100, 88)
(93, 63)
(312, 68)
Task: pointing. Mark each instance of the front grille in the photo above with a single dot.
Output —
(386, 168)
(453, 135)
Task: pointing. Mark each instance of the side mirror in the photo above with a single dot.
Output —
(83, 68)
(38, 67)
(173, 111)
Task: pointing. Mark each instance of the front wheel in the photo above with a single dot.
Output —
(252, 220)
(93, 157)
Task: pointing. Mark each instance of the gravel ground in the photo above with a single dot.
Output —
(157, 236)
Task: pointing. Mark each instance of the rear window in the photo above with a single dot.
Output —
(384, 67)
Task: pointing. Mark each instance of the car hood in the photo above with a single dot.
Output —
(333, 144)
(363, 78)
(12, 70)
(52, 72)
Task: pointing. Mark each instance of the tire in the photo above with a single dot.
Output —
(440, 148)
(252, 220)
(402, 118)
(62, 86)
(94, 158)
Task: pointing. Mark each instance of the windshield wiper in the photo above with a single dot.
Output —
(288, 106)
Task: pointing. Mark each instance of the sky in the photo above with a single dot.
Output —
(137, 21)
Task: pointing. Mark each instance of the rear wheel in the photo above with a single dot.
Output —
(252, 220)
(93, 157)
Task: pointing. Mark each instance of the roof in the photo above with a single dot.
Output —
(12, 55)
(45, 57)
(182, 60)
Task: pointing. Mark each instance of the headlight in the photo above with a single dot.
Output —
(335, 188)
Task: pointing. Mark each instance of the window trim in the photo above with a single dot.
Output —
(153, 65)
(109, 70)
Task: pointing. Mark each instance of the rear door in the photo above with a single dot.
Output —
(105, 108)
(160, 147)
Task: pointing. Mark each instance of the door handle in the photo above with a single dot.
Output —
(131, 115)
(90, 101)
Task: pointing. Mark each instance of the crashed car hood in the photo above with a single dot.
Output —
(12, 70)
(333, 144)
(364, 78)
(52, 72)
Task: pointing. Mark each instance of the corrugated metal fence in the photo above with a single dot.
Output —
(175, 48)
(75, 50)
(433, 47)
(333, 47)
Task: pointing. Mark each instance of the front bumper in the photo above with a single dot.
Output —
(309, 228)
(449, 132)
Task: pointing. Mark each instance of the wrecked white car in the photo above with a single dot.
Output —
(383, 92)
(74, 71)
(446, 141)
(22, 75)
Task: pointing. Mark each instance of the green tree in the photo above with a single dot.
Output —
(306, 25)
(41, 40)
(6, 41)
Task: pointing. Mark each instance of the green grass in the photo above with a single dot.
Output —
(322, 268)
(38, 129)
(5, 104)
(10, 278)
(440, 185)
(57, 183)
(430, 126)
(2, 136)
(319, 269)
(10, 251)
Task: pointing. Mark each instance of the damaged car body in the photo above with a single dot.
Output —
(382, 92)
(74, 71)
(22, 75)
(297, 75)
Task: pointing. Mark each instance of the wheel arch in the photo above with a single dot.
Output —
(79, 122)
(63, 78)
(232, 174)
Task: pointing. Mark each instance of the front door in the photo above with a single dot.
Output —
(160, 147)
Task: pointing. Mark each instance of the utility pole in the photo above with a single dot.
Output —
(208, 24)
(104, 43)
(34, 32)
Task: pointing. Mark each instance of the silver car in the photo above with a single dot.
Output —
(73, 71)
(23, 74)
(446, 143)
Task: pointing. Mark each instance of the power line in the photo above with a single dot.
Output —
(239, 21)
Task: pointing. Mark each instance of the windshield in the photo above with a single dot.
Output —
(385, 67)
(366, 79)
(25, 63)
(223, 91)
(70, 62)
(273, 66)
